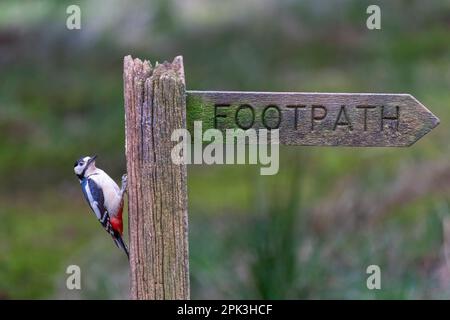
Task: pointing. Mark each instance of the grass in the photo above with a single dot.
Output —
(36, 240)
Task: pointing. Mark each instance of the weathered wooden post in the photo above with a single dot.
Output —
(155, 105)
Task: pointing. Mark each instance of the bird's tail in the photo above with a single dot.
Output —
(121, 244)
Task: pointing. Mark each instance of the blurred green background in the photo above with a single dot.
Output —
(308, 232)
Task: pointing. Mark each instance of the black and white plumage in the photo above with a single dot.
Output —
(104, 197)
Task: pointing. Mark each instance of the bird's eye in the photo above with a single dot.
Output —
(81, 163)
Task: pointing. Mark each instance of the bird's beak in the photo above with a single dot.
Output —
(92, 159)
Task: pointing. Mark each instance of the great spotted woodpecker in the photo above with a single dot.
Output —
(103, 196)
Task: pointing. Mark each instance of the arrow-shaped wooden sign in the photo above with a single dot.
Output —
(316, 119)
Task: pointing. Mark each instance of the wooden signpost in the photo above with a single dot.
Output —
(157, 103)
(317, 119)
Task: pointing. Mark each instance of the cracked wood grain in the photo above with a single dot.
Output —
(157, 189)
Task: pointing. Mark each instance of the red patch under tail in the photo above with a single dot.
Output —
(116, 221)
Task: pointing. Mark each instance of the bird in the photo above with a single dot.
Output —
(104, 197)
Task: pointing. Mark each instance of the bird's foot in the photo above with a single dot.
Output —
(124, 182)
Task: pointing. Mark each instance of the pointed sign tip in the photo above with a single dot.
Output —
(435, 121)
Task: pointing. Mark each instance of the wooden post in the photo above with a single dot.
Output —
(155, 105)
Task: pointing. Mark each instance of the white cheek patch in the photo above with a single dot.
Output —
(78, 170)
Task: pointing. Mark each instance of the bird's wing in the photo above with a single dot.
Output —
(111, 192)
(94, 196)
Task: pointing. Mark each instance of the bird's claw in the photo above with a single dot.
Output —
(124, 182)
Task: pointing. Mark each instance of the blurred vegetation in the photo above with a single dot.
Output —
(308, 232)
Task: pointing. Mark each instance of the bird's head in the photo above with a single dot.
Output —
(84, 166)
